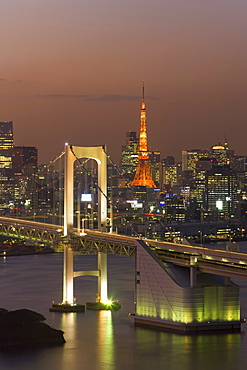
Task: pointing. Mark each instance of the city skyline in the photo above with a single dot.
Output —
(73, 73)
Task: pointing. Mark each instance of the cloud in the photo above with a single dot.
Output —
(58, 96)
(113, 97)
(5, 80)
(96, 98)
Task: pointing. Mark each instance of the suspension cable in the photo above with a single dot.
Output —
(116, 167)
(97, 186)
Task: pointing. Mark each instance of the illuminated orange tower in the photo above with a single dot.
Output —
(143, 174)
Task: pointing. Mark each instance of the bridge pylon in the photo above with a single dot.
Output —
(71, 154)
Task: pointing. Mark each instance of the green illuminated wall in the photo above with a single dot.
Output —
(163, 292)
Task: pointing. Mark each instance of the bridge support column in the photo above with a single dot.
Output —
(102, 301)
(193, 261)
(227, 280)
(68, 304)
(68, 276)
(102, 279)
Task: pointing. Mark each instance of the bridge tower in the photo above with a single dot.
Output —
(73, 153)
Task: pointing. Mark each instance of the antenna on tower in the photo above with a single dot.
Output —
(143, 90)
(226, 143)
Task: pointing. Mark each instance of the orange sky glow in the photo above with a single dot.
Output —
(73, 71)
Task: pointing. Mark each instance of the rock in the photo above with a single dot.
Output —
(25, 328)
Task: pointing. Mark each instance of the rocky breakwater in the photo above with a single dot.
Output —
(27, 328)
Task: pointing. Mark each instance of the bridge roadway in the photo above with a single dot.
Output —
(220, 262)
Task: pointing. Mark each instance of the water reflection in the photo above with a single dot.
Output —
(196, 351)
(69, 325)
(106, 339)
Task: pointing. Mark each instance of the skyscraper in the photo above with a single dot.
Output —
(190, 157)
(143, 175)
(6, 173)
(221, 190)
(6, 144)
(222, 153)
(25, 160)
(129, 157)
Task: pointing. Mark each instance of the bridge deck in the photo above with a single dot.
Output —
(215, 261)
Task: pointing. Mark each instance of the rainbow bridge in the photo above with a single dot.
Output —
(178, 287)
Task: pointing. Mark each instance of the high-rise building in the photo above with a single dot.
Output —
(168, 160)
(221, 190)
(155, 165)
(143, 174)
(222, 153)
(25, 160)
(6, 144)
(199, 190)
(190, 157)
(172, 175)
(129, 157)
(6, 173)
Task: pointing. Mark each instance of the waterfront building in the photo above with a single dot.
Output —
(183, 298)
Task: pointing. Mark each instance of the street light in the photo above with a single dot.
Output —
(201, 237)
(78, 221)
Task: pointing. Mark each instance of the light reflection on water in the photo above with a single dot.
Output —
(106, 340)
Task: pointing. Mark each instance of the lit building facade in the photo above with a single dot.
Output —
(190, 157)
(6, 144)
(199, 190)
(25, 160)
(172, 175)
(129, 156)
(222, 154)
(182, 298)
(155, 165)
(6, 172)
(221, 190)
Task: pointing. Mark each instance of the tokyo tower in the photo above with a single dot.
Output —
(143, 174)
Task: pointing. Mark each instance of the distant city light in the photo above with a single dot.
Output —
(136, 205)
(219, 205)
(86, 197)
(132, 201)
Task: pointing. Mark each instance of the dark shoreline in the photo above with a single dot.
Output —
(23, 253)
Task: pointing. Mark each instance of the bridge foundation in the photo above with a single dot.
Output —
(102, 301)
(180, 298)
(68, 304)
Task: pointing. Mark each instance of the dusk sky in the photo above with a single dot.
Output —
(73, 71)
